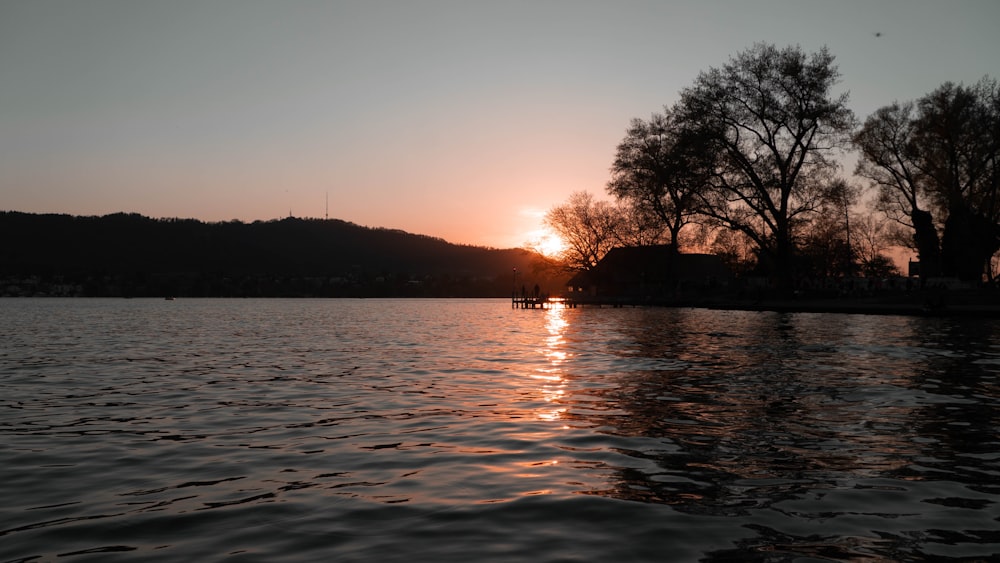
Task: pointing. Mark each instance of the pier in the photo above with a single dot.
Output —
(530, 302)
(547, 302)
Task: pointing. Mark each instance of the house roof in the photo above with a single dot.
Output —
(650, 265)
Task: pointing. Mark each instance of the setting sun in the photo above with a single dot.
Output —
(546, 242)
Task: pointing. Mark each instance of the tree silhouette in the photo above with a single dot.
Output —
(656, 169)
(869, 238)
(587, 227)
(826, 244)
(773, 124)
(939, 157)
(888, 159)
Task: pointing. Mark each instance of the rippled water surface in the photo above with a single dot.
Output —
(404, 430)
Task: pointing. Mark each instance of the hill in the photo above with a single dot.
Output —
(132, 255)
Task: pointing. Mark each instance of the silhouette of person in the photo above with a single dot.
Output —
(537, 290)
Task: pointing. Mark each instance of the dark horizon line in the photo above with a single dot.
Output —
(255, 221)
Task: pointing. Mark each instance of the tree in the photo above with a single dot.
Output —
(639, 226)
(589, 228)
(889, 159)
(956, 131)
(824, 252)
(735, 250)
(772, 123)
(825, 244)
(939, 157)
(869, 239)
(655, 171)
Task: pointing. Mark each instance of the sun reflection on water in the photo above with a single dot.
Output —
(553, 384)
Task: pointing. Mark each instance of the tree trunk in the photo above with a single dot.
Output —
(674, 244)
(969, 241)
(928, 246)
(784, 258)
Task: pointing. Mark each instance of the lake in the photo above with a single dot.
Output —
(464, 430)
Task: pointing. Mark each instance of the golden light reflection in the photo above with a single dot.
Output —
(533, 469)
(553, 384)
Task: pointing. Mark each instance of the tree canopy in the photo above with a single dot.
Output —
(656, 171)
(750, 154)
(591, 228)
(771, 121)
(935, 165)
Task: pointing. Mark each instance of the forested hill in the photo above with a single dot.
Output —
(133, 255)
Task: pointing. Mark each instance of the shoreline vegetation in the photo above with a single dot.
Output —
(747, 155)
(748, 162)
(128, 255)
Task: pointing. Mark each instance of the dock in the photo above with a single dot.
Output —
(547, 302)
(530, 302)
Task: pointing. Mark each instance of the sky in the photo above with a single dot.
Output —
(464, 120)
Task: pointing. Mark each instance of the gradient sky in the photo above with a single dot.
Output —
(461, 119)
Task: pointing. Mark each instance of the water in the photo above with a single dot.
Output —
(396, 430)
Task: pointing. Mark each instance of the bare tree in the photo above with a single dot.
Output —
(735, 249)
(889, 160)
(939, 158)
(824, 250)
(773, 124)
(639, 226)
(826, 239)
(957, 133)
(870, 238)
(655, 172)
(589, 228)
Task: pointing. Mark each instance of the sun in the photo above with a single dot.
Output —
(547, 243)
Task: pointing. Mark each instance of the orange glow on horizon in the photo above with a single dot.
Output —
(551, 244)
(543, 239)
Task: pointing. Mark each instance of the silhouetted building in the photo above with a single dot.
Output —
(650, 272)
